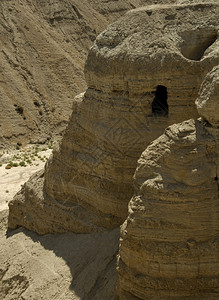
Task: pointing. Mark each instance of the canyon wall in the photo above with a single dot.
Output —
(44, 45)
(87, 183)
(169, 242)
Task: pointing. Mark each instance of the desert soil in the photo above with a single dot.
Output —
(57, 266)
(53, 266)
(12, 179)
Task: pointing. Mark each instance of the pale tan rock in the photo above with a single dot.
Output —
(88, 182)
(195, 1)
(44, 45)
(58, 266)
(169, 243)
(207, 102)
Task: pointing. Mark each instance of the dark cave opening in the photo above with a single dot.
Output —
(160, 106)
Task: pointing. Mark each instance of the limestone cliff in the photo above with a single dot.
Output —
(88, 181)
(170, 240)
(43, 49)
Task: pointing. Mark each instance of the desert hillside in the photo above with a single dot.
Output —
(43, 49)
(126, 205)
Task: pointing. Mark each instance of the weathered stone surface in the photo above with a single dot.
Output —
(195, 1)
(41, 70)
(44, 45)
(88, 182)
(207, 102)
(65, 266)
(169, 242)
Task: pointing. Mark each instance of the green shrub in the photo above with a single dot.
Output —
(22, 164)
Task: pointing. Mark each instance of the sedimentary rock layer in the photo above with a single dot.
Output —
(88, 182)
(170, 240)
(207, 102)
(44, 45)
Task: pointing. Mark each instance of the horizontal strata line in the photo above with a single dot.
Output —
(177, 202)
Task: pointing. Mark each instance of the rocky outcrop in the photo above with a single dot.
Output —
(44, 45)
(169, 242)
(88, 181)
(207, 102)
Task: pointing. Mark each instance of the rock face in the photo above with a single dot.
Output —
(88, 181)
(207, 102)
(44, 45)
(169, 242)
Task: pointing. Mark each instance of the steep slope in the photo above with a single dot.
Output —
(88, 182)
(58, 266)
(43, 48)
(170, 240)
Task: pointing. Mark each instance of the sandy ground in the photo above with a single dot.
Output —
(12, 179)
(54, 266)
(57, 266)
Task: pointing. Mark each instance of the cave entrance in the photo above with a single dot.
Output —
(160, 106)
(195, 43)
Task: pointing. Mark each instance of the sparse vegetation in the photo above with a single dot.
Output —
(22, 164)
(19, 110)
(30, 156)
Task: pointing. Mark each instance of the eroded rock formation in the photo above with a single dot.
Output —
(88, 181)
(170, 242)
(44, 45)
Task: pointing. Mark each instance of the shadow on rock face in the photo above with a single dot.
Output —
(90, 258)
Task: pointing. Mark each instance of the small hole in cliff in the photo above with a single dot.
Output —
(216, 178)
(195, 43)
(160, 106)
